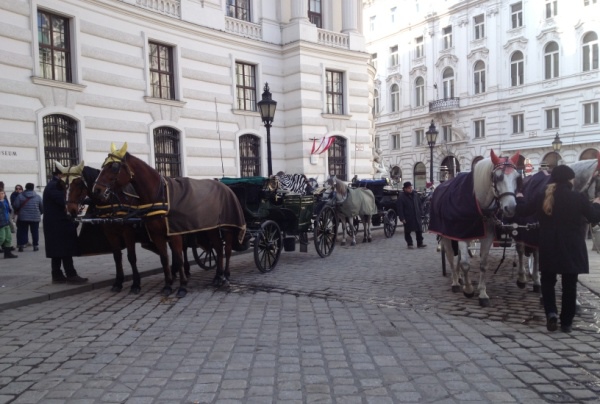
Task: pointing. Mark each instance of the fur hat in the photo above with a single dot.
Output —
(407, 184)
(561, 173)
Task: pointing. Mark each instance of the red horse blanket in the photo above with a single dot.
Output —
(198, 205)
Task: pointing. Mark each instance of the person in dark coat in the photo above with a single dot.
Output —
(410, 212)
(561, 213)
(60, 232)
(29, 206)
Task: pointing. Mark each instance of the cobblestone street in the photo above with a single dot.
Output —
(375, 323)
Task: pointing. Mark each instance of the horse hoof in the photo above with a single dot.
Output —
(343, 243)
(455, 288)
(181, 292)
(521, 285)
(470, 295)
(135, 290)
(167, 290)
(365, 240)
(116, 288)
(537, 288)
(369, 239)
(353, 243)
(484, 302)
(188, 273)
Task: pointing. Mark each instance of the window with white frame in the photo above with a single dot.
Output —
(374, 60)
(394, 55)
(551, 8)
(419, 92)
(419, 137)
(479, 77)
(54, 38)
(516, 15)
(448, 83)
(377, 143)
(245, 85)
(516, 69)
(479, 26)
(447, 37)
(447, 133)
(479, 128)
(590, 113)
(517, 123)
(393, 14)
(372, 23)
(315, 15)
(335, 92)
(375, 102)
(419, 47)
(162, 73)
(239, 9)
(395, 141)
(395, 97)
(551, 60)
(590, 51)
(551, 118)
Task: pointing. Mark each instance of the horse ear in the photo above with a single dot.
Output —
(113, 148)
(121, 153)
(60, 167)
(515, 159)
(495, 159)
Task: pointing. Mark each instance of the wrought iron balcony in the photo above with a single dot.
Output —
(446, 104)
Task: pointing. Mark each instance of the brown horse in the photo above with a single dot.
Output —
(177, 206)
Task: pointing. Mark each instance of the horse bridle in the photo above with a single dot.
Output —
(120, 161)
(495, 179)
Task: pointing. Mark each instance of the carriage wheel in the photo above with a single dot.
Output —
(390, 221)
(425, 222)
(325, 232)
(205, 260)
(267, 246)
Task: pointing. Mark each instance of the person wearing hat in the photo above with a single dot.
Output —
(561, 212)
(60, 232)
(410, 212)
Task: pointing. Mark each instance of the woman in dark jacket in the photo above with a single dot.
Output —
(561, 213)
(60, 233)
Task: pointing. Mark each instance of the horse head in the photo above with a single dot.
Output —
(336, 189)
(114, 175)
(506, 181)
(80, 189)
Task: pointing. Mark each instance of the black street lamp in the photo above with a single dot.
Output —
(556, 143)
(431, 138)
(267, 107)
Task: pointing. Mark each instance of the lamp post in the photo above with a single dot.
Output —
(431, 138)
(267, 107)
(556, 143)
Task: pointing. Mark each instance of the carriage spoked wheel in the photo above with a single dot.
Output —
(390, 221)
(325, 231)
(206, 260)
(267, 246)
(425, 222)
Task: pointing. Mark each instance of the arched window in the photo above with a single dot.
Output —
(61, 142)
(516, 69)
(589, 154)
(336, 157)
(475, 161)
(420, 176)
(396, 174)
(452, 165)
(551, 60)
(590, 51)
(395, 97)
(551, 160)
(167, 155)
(250, 156)
(375, 102)
(479, 77)
(419, 92)
(448, 83)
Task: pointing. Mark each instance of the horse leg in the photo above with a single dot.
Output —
(186, 262)
(521, 272)
(217, 245)
(465, 267)
(535, 271)
(176, 244)
(449, 253)
(350, 225)
(115, 245)
(342, 220)
(160, 241)
(486, 244)
(129, 235)
(228, 247)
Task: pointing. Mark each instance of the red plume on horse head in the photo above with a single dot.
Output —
(498, 160)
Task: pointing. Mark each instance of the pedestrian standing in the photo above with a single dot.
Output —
(30, 208)
(561, 213)
(13, 197)
(410, 212)
(5, 233)
(60, 232)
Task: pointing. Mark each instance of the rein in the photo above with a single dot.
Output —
(504, 165)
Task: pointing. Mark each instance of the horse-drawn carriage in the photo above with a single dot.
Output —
(385, 200)
(276, 218)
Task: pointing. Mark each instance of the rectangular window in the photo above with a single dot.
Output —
(395, 141)
(162, 76)
(517, 123)
(239, 9)
(245, 85)
(393, 14)
(479, 24)
(419, 137)
(552, 118)
(335, 92)
(374, 60)
(447, 37)
(54, 47)
(377, 142)
(372, 24)
(394, 56)
(516, 15)
(314, 13)
(447, 133)
(590, 113)
(419, 47)
(551, 8)
(479, 127)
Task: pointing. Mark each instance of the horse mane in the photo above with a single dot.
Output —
(89, 175)
(482, 179)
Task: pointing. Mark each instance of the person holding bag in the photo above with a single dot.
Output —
(5, 234)
(29, 208)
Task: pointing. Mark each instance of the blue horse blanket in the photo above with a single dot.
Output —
(455, 212)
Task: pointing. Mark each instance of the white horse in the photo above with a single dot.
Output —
(350, 203)
(494, 185)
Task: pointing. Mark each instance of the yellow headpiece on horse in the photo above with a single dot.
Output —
(115, 156)
(70, 172)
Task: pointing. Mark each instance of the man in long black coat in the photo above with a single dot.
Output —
(410, 212)
(60, 232)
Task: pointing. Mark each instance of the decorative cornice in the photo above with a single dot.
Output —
(491, 11)
(519, 43)
(480, 53)
(547, 34)
(446, 60)
(418, 71)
